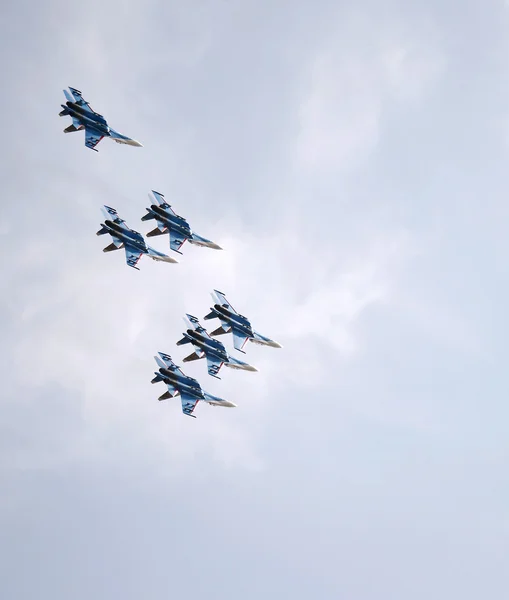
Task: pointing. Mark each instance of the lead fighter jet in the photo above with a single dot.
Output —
(213, 350)
(180, 384)
(237, 324)
(124, 237)
(94, 124)
(169, 222)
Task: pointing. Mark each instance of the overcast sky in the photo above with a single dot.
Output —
(351, 159)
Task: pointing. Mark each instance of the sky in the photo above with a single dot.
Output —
(351, 159)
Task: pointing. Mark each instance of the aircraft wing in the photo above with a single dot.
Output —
(80, 101)
(112, 215)
(167, 363)
(195, 324)
(92, 138)
(220, 298)
(176, 241)
(214, 365)
(162, 202)
(172, 390)
(132, 256)
(188, 403)
(239, 340)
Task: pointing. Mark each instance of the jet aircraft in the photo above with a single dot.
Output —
(124, 237)
(169, 222)
(188, 388)
(237, 324)
(213, 350)
(94, 124)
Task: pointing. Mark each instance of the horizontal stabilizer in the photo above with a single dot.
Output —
(221, 331)
(155, 232)
(112, 247)
(191, 357)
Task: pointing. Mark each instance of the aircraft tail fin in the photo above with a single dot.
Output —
(211, 315)
(191, 357)
(165, 396)
(157, 378)
(183, 341)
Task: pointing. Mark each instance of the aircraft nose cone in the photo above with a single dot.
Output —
(131, 142)
(251, 368)
(276, 344)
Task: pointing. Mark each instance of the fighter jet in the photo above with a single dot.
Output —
(124, 237)
(180, 384)
(94, 124)
(237, 324)
(169, 222)
(212, 350)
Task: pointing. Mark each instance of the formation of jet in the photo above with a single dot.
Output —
(179, 231)
(125, 237)
(94, 124)
(212, 350)
(237, 324)
(168, 222)
(182, 385)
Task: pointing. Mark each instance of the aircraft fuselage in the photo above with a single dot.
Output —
(133, 238)
(187, 384)
(213, 347)
(171, 221)
(239, 321)
(98, 122)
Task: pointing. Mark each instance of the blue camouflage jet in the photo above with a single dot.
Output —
(124, 237)
(237, 324)
(94, 124)
(180, 384)
(213, 350)
(169, 222)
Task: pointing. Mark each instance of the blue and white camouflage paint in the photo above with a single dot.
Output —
(206, 347)
(180, 384)
(176, 226)
(237, 324)
(125, 237)
(94, 124)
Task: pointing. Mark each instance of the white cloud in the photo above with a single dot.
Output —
(363, 67)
